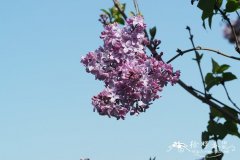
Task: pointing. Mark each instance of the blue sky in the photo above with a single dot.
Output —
(45, 93)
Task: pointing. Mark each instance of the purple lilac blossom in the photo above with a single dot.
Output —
(132, 79)
(228, 34)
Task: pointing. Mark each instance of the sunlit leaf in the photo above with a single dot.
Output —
(223, 68)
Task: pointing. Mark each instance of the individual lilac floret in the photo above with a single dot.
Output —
(132, 79)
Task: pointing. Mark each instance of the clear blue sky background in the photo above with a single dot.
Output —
(45, 93)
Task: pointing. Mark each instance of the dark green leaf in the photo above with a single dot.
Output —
(198, 57)
(215, 66)
(215, 113)
(211, 81)
(228, 76)
(204, 25)
(209, 78)
(232, 5)
(207, 7)
(210, 21)
(215, 128)
(231, 128)
(221, 131)
(120, 20)
(219, 3)
(153, 32)
(223, 68)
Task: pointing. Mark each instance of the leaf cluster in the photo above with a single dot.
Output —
(211, 7)
(218, 75)
(217, 130)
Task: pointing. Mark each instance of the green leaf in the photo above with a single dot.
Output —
(215, 113)
(211, 81)
(153, 32)
(219, 3)
(198, 57)
(209, 78)
(215, 128)
(218, 131)
(114, 12)
(228, 76)
(204, 25)
(123, 7)
(223, 68)
(205, 139)
(106, 12)
(215, 66)
(120, 20)
(231, 128)
(207, 7)
(210, 21)
(232, 5)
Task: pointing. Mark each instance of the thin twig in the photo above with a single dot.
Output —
(229, 98)
(209, 96)
(209, 102)
(136, 7)
(198, 60)
(216, 140)
(237, 14)
(180, 53)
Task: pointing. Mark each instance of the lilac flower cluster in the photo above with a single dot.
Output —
(228, 34)
(132, 79)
